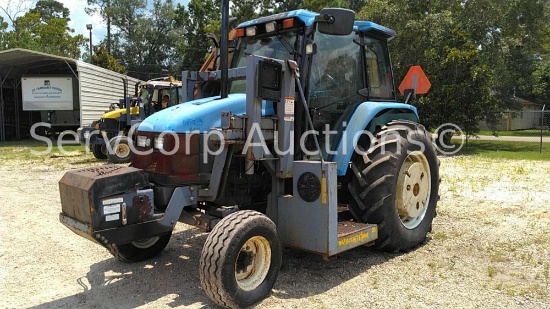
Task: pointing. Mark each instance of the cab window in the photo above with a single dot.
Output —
(378, 68)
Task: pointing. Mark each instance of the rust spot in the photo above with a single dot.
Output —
(142, 205)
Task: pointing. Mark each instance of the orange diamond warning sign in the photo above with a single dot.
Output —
(415, 78)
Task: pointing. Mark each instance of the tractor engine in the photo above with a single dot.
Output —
(174, 160)
(247, 191)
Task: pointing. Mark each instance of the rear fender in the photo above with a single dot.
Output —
(370, 116)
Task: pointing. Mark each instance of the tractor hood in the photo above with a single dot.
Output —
(118, 112)
(199, 115)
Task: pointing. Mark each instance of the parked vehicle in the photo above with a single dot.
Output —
(108, 137)
(247, 165)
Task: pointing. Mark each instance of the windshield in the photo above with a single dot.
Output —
(144, 94)
(282, 46)
(336, 73)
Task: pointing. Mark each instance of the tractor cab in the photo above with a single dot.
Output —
(159, 94)
(337, 71)
(114, 125)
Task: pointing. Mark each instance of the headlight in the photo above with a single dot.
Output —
(86, 135)
(271, 26)
(159, 143)
(251, 31)
(142, 141)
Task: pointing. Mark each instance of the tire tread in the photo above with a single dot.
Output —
(216, 248)
(371, 190)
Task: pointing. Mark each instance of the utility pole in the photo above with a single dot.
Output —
(89, 27)
(108, 28)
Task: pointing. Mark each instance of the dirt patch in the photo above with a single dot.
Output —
(489, 248)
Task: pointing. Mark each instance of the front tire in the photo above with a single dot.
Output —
(395, 186)
(140, 250)
(121, 150)
(99, 151)
(240, 259)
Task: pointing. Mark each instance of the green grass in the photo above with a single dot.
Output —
(527, 133)
(34, 153)
(506, 150)
(23, 150)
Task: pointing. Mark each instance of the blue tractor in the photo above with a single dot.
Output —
(304, 146)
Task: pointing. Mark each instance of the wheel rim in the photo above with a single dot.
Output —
(414, 186)
(253, 263)
(122, 150)
(145, 243)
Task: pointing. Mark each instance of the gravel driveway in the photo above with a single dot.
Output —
(489, 248)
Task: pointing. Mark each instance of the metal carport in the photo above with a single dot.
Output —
(97, 88)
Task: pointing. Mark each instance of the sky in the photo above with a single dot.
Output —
(78, 17)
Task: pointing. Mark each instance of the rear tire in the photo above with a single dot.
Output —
(121, 150)
(99, 151)
(140, 250)
(240, 259)
(397, 190)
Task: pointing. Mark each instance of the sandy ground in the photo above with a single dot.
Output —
(489, 248)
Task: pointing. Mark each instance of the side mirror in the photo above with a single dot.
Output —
(335, 21)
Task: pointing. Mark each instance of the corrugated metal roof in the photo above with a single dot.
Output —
(16, 62)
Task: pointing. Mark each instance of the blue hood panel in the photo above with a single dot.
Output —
(199, 115)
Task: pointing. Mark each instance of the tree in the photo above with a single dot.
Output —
(287, 5)
(103, 59)
(45, 28)
(245, 10)
(514, 37)
(48, 9)
(317, 5)
(101, 7)
(477, 53)
(194, 23)
(541, 88)
(3, 33)
(12, 9)
(460, 84)
(145, 40)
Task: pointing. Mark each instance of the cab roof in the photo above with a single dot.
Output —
(162, 84)
(308, 17)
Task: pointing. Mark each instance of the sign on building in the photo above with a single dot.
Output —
(47, 93)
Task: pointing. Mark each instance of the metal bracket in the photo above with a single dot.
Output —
(220, 163)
